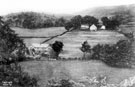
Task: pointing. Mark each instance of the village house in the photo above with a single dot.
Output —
(93, 27)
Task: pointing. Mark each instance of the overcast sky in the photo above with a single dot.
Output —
(56, 6)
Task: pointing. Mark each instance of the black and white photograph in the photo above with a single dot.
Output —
(67, 43)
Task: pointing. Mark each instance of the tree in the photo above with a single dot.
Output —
(11, 71)
(110, 24)
(89, 20)
(57, 47)
(60, 22)
(10, 42)
(68, 26)
(48, 23)
(76, 21)
(29, 22)
(86, 48)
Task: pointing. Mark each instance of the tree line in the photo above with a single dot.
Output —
(77, 21)
(33, 20)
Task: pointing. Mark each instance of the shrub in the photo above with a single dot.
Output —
(59, 83)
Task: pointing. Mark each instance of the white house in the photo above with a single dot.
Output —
(103, 27)
(93, 28)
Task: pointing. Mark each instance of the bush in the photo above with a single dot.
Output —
(118, 55)
(13, 73)
(59, 83)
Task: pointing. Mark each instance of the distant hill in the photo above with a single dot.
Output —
(126, 13)
(108, 10)
(35, 20)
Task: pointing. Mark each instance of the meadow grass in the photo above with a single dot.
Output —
(72, 40)
(75, 70)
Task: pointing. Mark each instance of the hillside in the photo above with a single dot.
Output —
(109, 10)
(33, 20)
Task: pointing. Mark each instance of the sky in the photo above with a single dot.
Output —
(56, 6)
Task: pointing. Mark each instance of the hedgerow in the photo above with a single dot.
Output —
(118, 55)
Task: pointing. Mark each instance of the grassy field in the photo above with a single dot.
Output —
(75, 70)
(42, 32)
(72, 40)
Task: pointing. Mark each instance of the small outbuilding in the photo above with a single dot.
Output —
(103, 27)
(39, 47)
(84, 26)
(93, 27)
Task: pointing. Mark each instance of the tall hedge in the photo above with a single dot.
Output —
(117, 55)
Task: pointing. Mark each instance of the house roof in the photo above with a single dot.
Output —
(93, 26)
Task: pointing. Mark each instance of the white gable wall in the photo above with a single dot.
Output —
(93, 28)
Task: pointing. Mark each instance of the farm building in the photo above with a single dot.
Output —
(39, 47)
(103, 27)
(93, 28)
(41, 50)
(84, 26)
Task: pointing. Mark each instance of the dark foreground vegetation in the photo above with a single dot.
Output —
(117, 55)
(11, 52)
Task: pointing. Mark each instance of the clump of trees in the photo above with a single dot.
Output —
(111, 24)
(33, 20)
(77, 20)
(89, 20)
(12, 50)
(117, 55)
